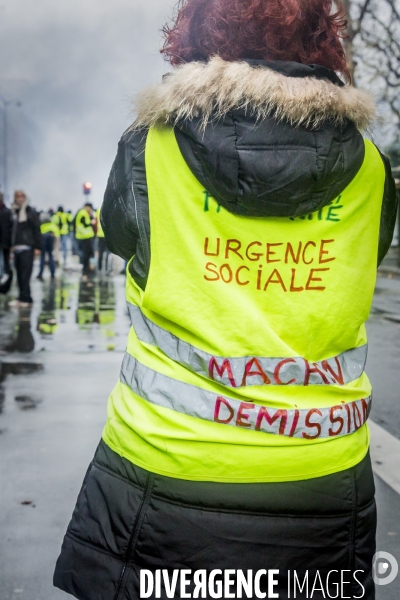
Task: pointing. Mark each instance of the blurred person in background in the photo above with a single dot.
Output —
(61, 219)
(26, 242)
(103, 252)
(5, 244)
(50, 231)
(253, 215)
(71, 233)
(85, 234)
(56, 249)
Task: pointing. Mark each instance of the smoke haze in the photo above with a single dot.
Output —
(74, 65)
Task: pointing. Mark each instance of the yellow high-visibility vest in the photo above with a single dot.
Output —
(83, 231)
(50, 226)
(245, 359)
(61, 219)
(100, 232)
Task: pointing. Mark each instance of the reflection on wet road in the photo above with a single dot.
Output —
(69, 315)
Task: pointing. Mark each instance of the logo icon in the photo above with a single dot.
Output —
(384, 568)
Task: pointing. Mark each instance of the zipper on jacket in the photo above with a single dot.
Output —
(135, 534)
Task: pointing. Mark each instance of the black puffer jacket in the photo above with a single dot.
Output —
(5, 226)
(27, 233)
(127, 519)
(265, 139)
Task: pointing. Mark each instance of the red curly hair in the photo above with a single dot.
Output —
(304, 31)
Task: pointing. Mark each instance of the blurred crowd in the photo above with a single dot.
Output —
(52, 235)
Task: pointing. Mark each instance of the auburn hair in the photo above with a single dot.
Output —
(304, 31)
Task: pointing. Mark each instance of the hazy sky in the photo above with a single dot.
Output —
(75, 65)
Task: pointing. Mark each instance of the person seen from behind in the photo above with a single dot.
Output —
(253, 214)
(61, 219)
(50, 232)
(26, 242)
(85, 234)
(103, 252)
(71, 234)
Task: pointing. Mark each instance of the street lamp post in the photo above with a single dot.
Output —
(6, 104)
(5, 145)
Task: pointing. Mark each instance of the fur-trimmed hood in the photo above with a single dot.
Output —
(264, 138)
(212, 89)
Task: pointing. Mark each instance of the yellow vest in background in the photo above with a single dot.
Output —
(83, 231)
(245, 359)
(100, 232)
(50, 226)
(62, 221)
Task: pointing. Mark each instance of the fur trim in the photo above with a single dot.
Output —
(214, 88)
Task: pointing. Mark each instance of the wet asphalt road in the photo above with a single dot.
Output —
(59, 363)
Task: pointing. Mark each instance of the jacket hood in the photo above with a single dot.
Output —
(264, 138)
(301, 94)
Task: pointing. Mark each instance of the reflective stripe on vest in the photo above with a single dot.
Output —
(250, 370)
(310, 423)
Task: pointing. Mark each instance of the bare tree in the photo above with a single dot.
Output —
(373, 51)
(355, 16)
